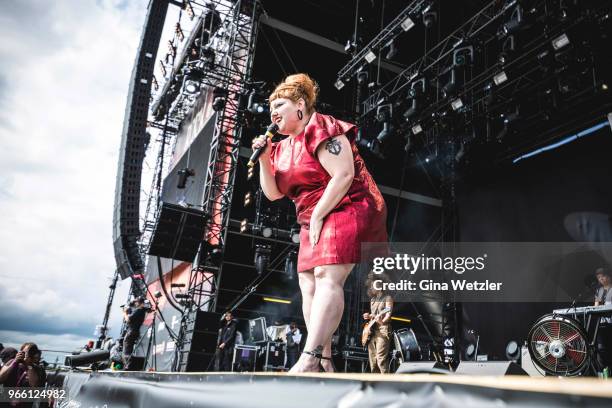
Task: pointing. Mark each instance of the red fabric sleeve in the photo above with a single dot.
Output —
(323, 127)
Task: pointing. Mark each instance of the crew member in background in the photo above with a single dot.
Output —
(294, 337)
(225, 343)
(378, 346)
(134, 317)
(603, 296)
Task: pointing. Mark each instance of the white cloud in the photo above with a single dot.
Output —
(63, 83)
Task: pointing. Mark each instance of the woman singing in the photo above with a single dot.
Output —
(337, 204)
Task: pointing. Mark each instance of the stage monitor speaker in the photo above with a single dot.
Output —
(422, 367)
(198, 362)
(178, 232)
(496, 368)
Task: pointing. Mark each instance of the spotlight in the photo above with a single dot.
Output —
(362, 76)
(339, 84)
(370, 56)
(560, 42)
(385, 133)
(417, 91)
(262, 258)
(218, 104)
(250, 173)
(416, 129)
(514, 24)
(407, 24)
(500, 78)
(291, 265)
(374, 147)
(350, 46)
(513, 351)
(392, 50)
(244, 225)
(254, 106)
(457, 104)
(429, 18)
(463, 56)
(408, 143)
(384, 111)
(267, 232)
(248, 199)
(192, 87)
(183, 175)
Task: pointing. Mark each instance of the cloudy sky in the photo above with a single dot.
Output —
(63, 83)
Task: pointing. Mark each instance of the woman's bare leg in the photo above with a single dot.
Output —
(325, 312)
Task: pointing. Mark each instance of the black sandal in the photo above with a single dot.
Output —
(317, 353)
(332, 363)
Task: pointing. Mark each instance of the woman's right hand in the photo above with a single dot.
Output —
(260, 141)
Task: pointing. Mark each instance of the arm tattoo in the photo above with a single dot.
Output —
(333, 146)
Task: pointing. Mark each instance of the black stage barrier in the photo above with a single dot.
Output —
(231, 390)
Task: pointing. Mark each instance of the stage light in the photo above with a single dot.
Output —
(470, 349)
(339, 84)
(457, 104)
(500, 78)
(416, 129)
(266, 232)
(262, 258)
(192, 87)
(291, 265)
(463, 56)
(407, 24)
(248, 199)
(513, 351)
(429, 18)
(183, 175)
(218, 104)
(514, 24)
(244, 225)
(392, 50)
(560, 42)
(370, 56)
(277, 300)
(250, 173)
(374, 147)
(362, 76)
(415, 95)
(604, 87)
(386, 132)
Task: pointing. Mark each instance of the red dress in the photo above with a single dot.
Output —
(359, 217)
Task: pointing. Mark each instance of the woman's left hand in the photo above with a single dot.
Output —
(314, 230)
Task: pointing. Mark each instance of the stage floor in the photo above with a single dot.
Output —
(153, 389)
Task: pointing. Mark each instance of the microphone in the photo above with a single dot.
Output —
(270, 132)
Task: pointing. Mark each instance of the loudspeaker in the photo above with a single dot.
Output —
(178, 232)
(420, 367)
(496, 368)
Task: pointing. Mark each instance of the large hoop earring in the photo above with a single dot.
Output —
(300, 114)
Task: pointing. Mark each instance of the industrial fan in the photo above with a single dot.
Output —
(559, 345)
